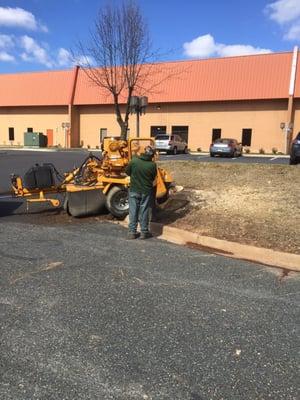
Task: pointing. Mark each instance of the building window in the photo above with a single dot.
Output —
(29, 129)
(11, 134)
(156, 130)
(182, 131)
(216, 134)
(246, 137)
(103, 134)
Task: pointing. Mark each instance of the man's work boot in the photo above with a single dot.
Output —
(132, 235)
(146, 235)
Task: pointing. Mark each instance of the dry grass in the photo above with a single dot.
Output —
(256, 204)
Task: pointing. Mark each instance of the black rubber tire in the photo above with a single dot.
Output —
(212, 154)
(293, 161)
(186, 150)
(175, 151)
(117, 202)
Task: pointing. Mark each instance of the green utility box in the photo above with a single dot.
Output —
(35, 139)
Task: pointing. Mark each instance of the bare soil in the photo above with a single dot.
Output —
(256, 204)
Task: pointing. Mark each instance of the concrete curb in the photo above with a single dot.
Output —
(259, 255)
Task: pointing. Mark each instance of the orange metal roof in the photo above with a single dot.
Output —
(264, 76)
(35, 88)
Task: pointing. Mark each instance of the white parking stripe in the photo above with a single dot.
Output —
(274, 158)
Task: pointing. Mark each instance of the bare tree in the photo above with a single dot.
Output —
(121, 52)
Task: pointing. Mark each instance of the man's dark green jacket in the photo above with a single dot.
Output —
(142, 172)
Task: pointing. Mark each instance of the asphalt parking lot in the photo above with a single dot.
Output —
(87, 314)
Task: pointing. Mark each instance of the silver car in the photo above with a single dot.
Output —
(226, 147)
(171, 144)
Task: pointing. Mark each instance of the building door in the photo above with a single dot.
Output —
(11, 134)
(246, 137)
(49, 133)
(182, 131)
(156, 130)
(216, 134)
(103, 134)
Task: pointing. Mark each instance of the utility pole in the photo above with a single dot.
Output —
(138, 106)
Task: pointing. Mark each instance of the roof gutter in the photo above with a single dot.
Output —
(74, 82)
(290, 111)
(73, 132)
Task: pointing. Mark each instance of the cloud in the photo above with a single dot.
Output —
(20, 18)
(6, 41)
(4, 56)
(65, 59)
(293, 33)
(283, 11)
(205, 46)
(34, 52)
(286, 13)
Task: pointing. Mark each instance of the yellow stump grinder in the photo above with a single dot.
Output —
(96, 184)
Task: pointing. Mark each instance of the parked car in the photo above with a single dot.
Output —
(295, 150)
(170, 143)
(227, 147)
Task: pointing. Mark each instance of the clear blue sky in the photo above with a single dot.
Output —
(38, 34)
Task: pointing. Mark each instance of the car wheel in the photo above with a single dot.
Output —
(212, 154)
(175, 151)
(293, 161)
(185, 150)
(117, 201)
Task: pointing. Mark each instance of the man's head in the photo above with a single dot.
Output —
(149, 151)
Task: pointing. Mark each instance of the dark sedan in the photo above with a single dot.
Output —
(295, 151)
(226, 147)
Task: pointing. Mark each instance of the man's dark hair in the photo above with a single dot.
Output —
(149, 151)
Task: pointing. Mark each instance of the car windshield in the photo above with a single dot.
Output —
(225, 141)
(162, 137)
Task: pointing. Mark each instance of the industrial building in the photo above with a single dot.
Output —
(255, 99)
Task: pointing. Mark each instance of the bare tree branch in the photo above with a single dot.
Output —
(120, 48)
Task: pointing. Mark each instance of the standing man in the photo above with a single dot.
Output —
(142, 172)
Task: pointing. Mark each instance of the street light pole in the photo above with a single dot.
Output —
(138, 106)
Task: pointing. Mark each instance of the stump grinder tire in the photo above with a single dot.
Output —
(117, 202)
(84, 203)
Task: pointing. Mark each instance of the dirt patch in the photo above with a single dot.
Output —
(254, 204)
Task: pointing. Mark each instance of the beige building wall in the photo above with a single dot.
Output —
(92, 119)
(263, 117)
(38, 118)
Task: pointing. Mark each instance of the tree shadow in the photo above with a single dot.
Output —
(175, 208)
(9, 207)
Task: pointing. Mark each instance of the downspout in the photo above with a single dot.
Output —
(290, 111)
(73, 135)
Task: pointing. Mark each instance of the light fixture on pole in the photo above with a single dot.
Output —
(66, 126)
(138, 106)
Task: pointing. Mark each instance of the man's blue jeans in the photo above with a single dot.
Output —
(139, 211)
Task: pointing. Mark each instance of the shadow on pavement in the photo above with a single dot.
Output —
(176, 207)
(9, 207)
